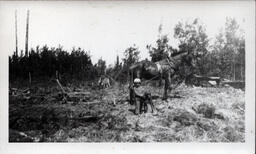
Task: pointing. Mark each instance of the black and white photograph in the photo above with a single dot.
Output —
(128, 71)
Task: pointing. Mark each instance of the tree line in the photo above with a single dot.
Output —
(225, 57)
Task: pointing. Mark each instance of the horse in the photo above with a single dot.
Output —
(163, 69)
(103, 82)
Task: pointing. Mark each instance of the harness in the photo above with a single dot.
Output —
(159, 68)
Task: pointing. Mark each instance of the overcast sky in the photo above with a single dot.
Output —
(108, 28)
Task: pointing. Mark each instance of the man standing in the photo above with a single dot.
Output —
(141, 98)
(137, 95)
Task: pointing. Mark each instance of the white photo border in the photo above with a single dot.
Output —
(122, 148)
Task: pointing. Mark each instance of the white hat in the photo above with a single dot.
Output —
(137, 80)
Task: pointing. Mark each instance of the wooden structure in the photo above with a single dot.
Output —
(199, 79)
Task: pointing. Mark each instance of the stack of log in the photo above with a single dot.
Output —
(217, 81)
(206, 81)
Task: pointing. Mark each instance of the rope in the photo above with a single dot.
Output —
(151, 78)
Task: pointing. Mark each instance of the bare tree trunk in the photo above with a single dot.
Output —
(27, 28)
(29, 76)
(234, 69)
(16, 33)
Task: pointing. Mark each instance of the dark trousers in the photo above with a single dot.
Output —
(138, 105)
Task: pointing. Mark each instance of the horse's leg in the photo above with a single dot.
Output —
(160, 80)
(166, 85)
(130, 84)
(153, 109)
(137, 106)
(108, 83)
(169, 79)
(165, 88)
(142, 106)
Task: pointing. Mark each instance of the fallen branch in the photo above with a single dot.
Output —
(241, 109)
(63, 91)
(26, 90)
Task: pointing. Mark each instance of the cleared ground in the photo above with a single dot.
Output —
(191, 114)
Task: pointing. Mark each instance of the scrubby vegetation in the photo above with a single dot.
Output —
(191, 114)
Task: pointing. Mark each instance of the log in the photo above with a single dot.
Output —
(206, 78)
(63, 91)
(26, 90)
(65, 95)
(235, 84)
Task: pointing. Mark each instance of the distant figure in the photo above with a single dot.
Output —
(103, 82)
(141, 98)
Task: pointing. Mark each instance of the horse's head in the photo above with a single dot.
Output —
(190, 60)
(177, 55)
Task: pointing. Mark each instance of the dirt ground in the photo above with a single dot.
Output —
(191, 114)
